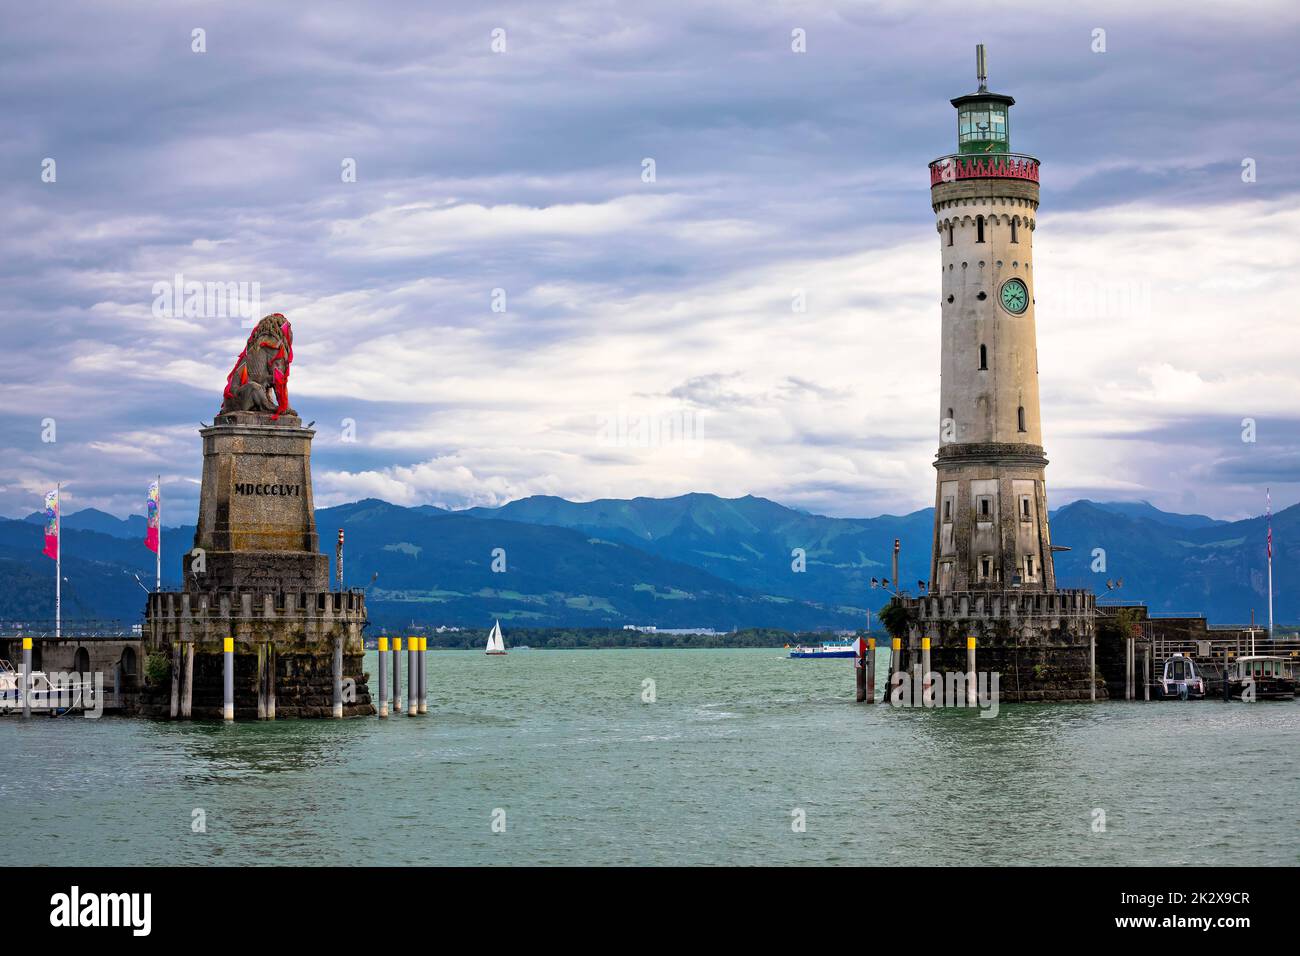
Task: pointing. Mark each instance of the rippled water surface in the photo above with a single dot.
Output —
(714, 771)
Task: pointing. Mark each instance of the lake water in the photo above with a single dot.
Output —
(736, 749)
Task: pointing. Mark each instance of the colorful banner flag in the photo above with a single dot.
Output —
(52, 525)
(1269, 512)
(152, 517)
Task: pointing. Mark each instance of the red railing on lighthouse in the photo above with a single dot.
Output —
(988, 166)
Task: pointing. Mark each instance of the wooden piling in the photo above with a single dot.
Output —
(1128, 668)
(412, 678)
(871, 670)
(1092, 667)
(261, 681)
(271, 659)
(1146, 673)
(926, 683)
(383, 677)
(397, 675)
(860, 672)
(424, 677)
(228, 697)
(187, 680)
(972, 695)
(25, 686)
(176, 680)
(338, 677)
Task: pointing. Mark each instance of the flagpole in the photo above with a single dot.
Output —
(158, 556)
(1269, 496)
(58, 560)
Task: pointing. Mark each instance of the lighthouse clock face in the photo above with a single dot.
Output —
(1015, 297)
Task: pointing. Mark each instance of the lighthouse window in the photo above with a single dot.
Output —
(986, 565)
(979, 228)
(985, 506)
(1013, 230)
(1020, 418)
(950, 234)
(1024, 508)
(984, 357)
(1029, 566)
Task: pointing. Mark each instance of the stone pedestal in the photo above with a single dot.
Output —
(261, 581)
(257, 522)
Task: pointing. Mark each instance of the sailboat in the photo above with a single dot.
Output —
(495, 643)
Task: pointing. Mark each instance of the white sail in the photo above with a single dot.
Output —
(495, 643)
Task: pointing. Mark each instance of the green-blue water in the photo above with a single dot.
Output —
(713, 771)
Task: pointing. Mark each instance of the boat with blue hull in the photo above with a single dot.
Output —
(827, 649)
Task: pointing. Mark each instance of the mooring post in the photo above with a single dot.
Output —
(1146, 672)
(860, 672)
(187, 680)
(424, 677)
(176, 679)
(1128, 668)
(972, 697)
(261, 681)
(338, 678)
(1092, 667)
(871, 670)
(25, 687)
(412, 679)
(895, 661)
(228, 706)
(397, 675)
(926, 683)
(383, 677)
(271, 657)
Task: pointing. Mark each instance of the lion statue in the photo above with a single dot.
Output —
(259, 382)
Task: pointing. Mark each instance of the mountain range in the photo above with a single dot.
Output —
(692, 561)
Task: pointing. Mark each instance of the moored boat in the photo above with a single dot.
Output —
(1180, 680)
(1261, 677)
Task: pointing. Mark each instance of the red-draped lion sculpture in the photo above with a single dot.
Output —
(259, 382)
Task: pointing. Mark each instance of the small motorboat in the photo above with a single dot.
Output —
(1261, 677)
(43, 696)
(1180, 680)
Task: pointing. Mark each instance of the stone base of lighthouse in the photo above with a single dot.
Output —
(1039, 643)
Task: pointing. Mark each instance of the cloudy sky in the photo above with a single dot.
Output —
(502, 305)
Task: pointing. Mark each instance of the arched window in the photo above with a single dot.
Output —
(1014, 222)
(979, 228)
(1020, 418)
(950, 234)
(984, 357)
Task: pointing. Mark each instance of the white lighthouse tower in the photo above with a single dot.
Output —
(992, 581)
(991, 500)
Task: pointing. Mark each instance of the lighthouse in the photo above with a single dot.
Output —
(992, 603)
(990, 497)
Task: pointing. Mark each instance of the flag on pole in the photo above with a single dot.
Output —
(1268, 494)
(152, 518)
(52, 525)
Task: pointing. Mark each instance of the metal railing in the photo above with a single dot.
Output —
(958, 166)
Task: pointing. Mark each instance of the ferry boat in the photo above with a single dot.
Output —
(1261, 677)
(1180, 680)
(826, 649)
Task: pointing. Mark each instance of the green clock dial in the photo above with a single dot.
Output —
(1015, 297)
